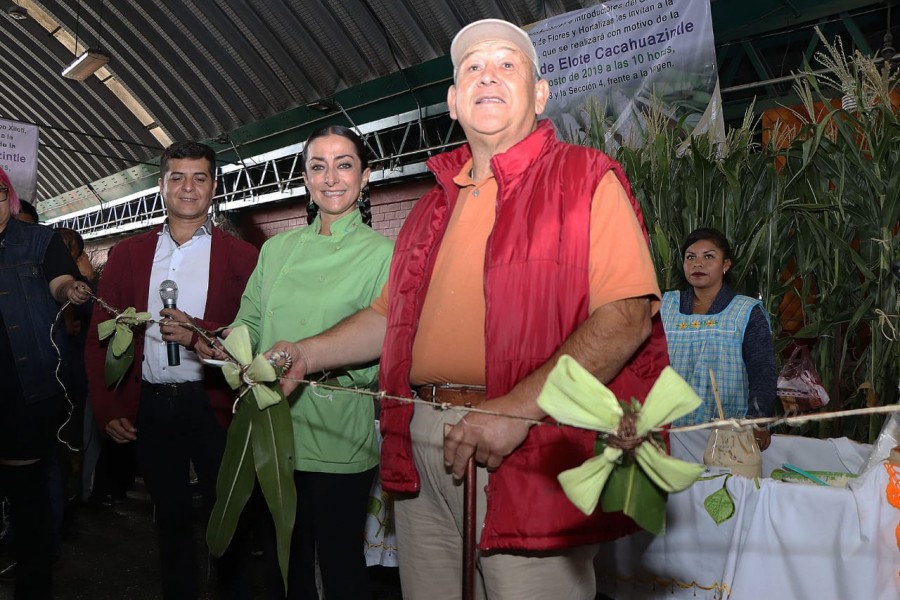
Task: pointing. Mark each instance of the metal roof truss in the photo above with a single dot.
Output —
(400, 145)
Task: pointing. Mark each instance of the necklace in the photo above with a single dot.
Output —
(701, 306)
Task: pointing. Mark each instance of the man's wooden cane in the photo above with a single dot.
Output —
(469, 531)
(468, 582)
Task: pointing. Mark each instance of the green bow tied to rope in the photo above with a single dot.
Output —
(250, 373)
(638, 482)
(120, 351)
(259, 448)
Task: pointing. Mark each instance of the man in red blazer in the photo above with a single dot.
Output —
(176, 414)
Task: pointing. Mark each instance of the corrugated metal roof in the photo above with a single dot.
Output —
(204, 68)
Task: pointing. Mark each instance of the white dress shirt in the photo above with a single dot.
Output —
(188, 266)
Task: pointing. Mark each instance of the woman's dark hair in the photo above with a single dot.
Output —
(711, 235)
(27, 208)
(73, 240)
(364, 205)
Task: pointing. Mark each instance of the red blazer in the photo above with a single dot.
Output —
(125, 282)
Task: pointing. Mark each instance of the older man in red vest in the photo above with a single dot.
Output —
(526, 249)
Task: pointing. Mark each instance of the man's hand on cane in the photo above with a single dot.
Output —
(489, 438)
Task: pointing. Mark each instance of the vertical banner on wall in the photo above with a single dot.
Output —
(620, 55)
(19, 156)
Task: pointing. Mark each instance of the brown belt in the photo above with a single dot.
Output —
(173, 390)
(451, 393)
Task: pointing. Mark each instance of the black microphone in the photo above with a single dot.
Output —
(168, 293)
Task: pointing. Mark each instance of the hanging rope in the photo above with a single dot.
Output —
(623, 438)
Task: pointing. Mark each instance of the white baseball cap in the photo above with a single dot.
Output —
(491, 30)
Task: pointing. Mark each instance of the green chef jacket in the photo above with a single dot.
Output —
(303, 284)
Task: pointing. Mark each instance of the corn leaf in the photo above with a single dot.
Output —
(584, 483)
(670, 398)
(122, 340)
(106, 329)
(234, 484)
(232, 373)
(273, 454)
(630, 491)
(115, 367)
(238, 344)
(262, 372)
(670, 474)
(573, 396)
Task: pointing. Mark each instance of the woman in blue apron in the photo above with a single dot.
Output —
(710, 328)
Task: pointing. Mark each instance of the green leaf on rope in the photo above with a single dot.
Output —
(120, 352)
(639, 485)
(106, 329)
(116, 366)
(233, 486)
(253, 372)
(266, 450)
(630, 491)
(583, 484)
(720, 505)
(122, 340)
(273, 453)
(670, 474)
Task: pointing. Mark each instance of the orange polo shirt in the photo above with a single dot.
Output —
(449, 345)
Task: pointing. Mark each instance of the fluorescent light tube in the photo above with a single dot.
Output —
(85, 65)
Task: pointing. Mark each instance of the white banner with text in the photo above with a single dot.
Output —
(622, 55)
(19, 156)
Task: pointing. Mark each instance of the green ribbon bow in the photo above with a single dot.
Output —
(259, 447)
(252, 373)
(120, 351)
(638, 486)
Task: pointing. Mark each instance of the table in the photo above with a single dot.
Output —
(785, 541)
(380, 543)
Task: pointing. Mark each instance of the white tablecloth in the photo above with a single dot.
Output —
(381, 539)
(835, 454)
(785, 541)
(380, 543)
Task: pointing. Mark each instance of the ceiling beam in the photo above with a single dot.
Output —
(760, 66)
(741, 20)
(858, 38)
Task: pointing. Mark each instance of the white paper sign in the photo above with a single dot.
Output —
(621, 53)
(19, 156)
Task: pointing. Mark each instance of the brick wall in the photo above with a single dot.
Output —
(268, 220)
(391, 205)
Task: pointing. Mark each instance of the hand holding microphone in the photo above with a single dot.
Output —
(168, 293)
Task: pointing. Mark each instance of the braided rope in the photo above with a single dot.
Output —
(623, 437)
